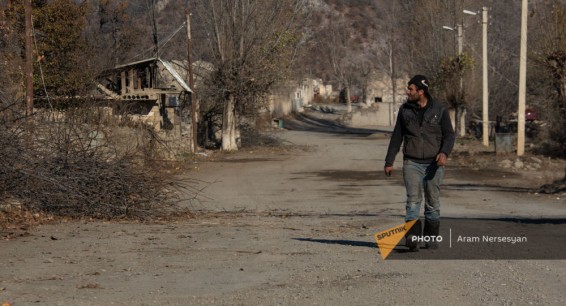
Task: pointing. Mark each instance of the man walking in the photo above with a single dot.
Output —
(423, 126)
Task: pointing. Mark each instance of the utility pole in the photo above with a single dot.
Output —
(522, 81)
(29, 61)
(458, 126)
(460, 115)
(393, 73)
(154, 29)
(194, 143)
(485, 98)
(460, 33)
(460, 111)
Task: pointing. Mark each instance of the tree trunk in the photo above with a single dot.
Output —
(393, 78)
(457, 118)
(462, 121)
(229, 125)
(348, 101)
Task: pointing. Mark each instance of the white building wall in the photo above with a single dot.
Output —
(292, 96)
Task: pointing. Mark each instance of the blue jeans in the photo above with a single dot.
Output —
(419, 177)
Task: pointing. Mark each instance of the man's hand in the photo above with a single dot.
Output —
(388, 170)
(441, 159)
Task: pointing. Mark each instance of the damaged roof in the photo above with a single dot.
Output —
(175, 74)
(165, 64)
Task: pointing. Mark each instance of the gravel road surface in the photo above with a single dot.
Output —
(296, 227)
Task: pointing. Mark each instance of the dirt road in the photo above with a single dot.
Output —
(294, 227)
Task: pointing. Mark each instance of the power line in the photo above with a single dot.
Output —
(40, 67)
(160, 45)
(494, 69)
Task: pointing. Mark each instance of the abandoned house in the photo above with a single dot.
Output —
(151, 90)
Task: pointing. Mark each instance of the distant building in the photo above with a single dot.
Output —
(380, 92)
(152, 90)
(293, 96)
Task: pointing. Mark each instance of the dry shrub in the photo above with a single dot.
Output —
(78, 161)
(251, 137)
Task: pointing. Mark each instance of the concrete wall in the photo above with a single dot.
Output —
(281, 99)
(325, 91)
(292, 96)
(380, 86)
(377, 115)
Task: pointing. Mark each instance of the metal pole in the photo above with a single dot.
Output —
(460, 112)
(29, 59)
(191, 83)
(460, 39)
(393, 79)
(522, 81)
(485, 99)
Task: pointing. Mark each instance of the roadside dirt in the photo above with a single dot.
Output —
(294, 226)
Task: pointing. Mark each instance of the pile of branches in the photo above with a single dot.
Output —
(554, 187)
(72, 162)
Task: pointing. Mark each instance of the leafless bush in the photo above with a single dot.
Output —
(77, 161)
(251, 137)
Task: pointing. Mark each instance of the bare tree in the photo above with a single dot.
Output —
(251, 45)
(548, 57)
(80, 161)
(343, 48)
(389, 46)
(11, 50)
(430, 52)
(339, 50)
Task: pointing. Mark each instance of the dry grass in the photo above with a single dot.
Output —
(72, 163)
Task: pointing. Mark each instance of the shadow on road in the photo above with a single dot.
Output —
(484, 238)
(485, 187)
(340, 242)
(307, 122)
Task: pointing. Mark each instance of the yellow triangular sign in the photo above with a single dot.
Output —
(388, 239)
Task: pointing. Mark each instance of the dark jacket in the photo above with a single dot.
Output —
(424, 132)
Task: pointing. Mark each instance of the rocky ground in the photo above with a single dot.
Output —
(535, 171)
